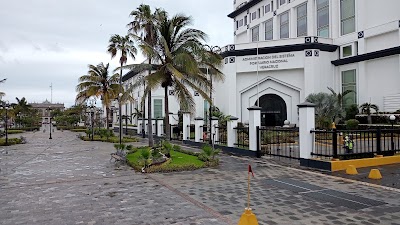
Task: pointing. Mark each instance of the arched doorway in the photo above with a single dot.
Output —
(274, 111)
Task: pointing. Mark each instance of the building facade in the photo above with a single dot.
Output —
(44, 111)
(284, 50)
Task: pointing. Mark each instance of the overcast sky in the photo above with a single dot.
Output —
(53, 41)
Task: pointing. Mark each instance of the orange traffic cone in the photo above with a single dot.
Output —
(248, 217)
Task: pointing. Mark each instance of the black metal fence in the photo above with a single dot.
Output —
(352, 144)
(204, 137)
(222, 138)
(242, 140)
(278, 142)
(176, 133)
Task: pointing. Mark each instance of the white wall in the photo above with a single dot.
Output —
(382, 41)
(383, 77)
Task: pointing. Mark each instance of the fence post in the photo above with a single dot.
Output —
(254, 121)
(231, 132)
(160, 129)
(378, 141)
(334, 144)
(139, 127)
(306, 124)
(258, 142)
(214, 130)
(186, 125)
(198, 128)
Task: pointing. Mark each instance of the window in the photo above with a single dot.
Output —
(255, 31)
(269, 30)
(237, 25)
(281, 2)
(284, 25)
(347, 16)
(254, 16)
(157, 108)
(267, 8)
(347, 51)
(323, 18)
(245, 20)
(240, 22)
(302, 20)
(349, 83)
(259, 12)
(272, 5)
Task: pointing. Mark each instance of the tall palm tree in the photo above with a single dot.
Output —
(340, 97)
(179, 56)
(98, 83)
(125, 46)
(2, 94)
(366, 109)
(22, 105)
(143, 27)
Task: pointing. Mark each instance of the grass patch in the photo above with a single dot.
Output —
(11, 141)
(178, 162)
(110, 139)
(15, 131)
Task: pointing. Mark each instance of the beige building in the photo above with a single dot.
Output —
(44, 107)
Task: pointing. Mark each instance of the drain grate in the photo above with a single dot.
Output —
(322, 194)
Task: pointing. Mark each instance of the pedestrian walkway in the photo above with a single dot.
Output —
(68, 181)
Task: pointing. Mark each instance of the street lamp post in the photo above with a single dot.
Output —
(211, 49)
(50, 109)
(392, 119)
(6, 106)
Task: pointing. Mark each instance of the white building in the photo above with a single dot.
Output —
(305, 46)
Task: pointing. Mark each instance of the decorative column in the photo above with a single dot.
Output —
(160, 129)
(214, 130)
(231, 132)
(139, 126)
(306, 124)
(198, 128)
(254, 122)
(186, 125)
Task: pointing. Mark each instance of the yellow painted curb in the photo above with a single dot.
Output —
(351, 170)
(375, 174)
(361, 163)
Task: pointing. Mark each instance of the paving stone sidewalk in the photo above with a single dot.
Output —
(68, 181)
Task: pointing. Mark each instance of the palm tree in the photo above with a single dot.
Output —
(366, 109)
(143, 27)
(98, 83)
(125, 46)
(340, 96)
(326, 109)
(180, 55)
(2, 94)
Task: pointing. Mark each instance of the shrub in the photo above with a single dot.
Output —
(208, 153)
(15, 131)
(351, 111)
(11, 141)
(79, 130)
(352, 124)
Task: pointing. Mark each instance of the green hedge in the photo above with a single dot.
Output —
(11, 141)
(110, 139)
(25, 128)
(15, 131)
(78, 130)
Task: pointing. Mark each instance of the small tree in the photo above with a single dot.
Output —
(366, 109)
(327, 108)
(351, 111)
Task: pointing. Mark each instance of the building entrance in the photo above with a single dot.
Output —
(273, 110)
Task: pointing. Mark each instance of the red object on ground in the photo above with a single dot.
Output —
(250, 170)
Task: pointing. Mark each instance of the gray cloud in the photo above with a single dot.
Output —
(46, 41)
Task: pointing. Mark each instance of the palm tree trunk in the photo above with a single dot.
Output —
(107, 115)
(166, 112)
(150, 121)
(120, 106)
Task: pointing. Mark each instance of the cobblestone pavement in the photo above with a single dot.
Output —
(68, 181)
